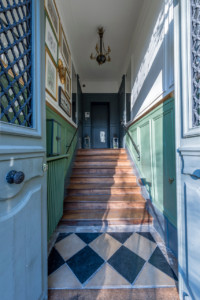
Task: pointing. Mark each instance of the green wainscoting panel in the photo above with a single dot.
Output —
(58, 171)
(55, 192)
(145, 154)
(155, 136)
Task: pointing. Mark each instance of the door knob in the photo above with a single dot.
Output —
(15, 177)
(171, 180)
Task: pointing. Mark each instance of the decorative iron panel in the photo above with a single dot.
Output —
(15, 62)
(195, 11)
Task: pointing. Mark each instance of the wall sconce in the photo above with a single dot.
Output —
(62, 71)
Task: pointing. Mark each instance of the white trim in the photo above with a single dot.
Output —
(186, 71)
(37, 64)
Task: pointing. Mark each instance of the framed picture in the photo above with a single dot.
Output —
(50, 75)
(51, 41)
(65, 50)
(64, 102)
(53, 15)
(68, 85)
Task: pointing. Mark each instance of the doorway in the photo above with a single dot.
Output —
(100, 125)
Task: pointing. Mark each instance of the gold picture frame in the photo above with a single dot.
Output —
(65, 49)
(50, 39)
(64, 102)
(53, 15)
(68, 85)
(51, 75)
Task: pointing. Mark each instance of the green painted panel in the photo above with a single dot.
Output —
(57, 171)
(55, 193)
(157, 160)
(145, 154)
(170, 208)
(133, 132)
(156, 142)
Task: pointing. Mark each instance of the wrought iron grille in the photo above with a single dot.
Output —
(15, 62)
(195, 10)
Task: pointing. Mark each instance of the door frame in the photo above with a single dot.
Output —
(187, 146)
(108, 107)
(32, 140)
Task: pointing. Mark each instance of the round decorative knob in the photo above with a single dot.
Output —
(15, 177)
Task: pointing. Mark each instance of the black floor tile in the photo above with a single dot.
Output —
(85, 263)
(55, 261)
(127, 263)
(62, 236)
(159, 261)
(88, 237)
(120, 236)
(147, 235)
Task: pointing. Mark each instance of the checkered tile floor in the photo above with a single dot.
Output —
(108, 260)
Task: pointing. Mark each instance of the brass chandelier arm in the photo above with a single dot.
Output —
(102, 55)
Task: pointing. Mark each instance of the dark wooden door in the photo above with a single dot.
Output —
(100, 125)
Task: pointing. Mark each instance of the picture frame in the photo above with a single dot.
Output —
(64, 102)
(68, 85)
(50, 75)
(50, 40)
(52, 12)
(65, 49)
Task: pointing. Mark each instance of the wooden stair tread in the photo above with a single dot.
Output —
(103, 190)
(140, 214)
(103, 185)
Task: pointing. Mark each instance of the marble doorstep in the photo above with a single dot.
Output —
(109, 260)
(116, 294)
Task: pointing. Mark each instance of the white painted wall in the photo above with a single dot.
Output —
(151, 55)
(100, 87)
(49, 99)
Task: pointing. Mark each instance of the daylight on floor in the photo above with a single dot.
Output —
(99, 149)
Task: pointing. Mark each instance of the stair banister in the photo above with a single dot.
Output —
(134, 144)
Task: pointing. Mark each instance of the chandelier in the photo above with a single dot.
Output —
(101, 54)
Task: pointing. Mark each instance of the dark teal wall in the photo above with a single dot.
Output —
(80, 108)
(112, 99)
(122, 111)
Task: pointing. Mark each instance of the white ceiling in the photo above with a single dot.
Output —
(81, 19)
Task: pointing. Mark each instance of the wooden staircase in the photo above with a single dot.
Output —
(104, 190)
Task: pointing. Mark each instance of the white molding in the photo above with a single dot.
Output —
(186, 71)
(37, 64)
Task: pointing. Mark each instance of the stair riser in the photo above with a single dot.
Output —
(100, 158)
(104, 180)
(104, 223)
(101, 152)
(102, 172)
(107, 185)
(103, 164)
(104, 191)
(103, 205)
(106, 198)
